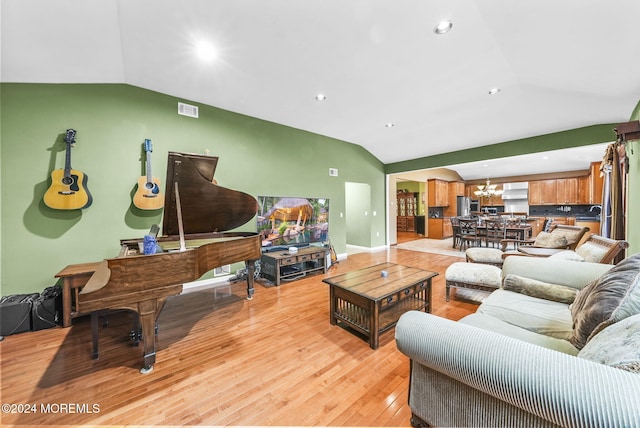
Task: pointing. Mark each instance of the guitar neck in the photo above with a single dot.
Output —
(67, 161)
(149, 177)
(148, 149)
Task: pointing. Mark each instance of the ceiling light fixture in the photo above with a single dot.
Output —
(321, 97)
(390, 125)
(443, 27)
(487, 190)
(494, 91)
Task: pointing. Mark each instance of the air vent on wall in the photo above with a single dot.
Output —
(222, 270)
(187, 110)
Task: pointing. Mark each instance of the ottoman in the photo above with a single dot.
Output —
(489, 256)
(476, 276)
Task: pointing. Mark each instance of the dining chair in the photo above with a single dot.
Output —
(455, 228)
(468, 233)
(511, 232)
(494, 232)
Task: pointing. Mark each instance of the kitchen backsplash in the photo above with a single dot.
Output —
(564, 210)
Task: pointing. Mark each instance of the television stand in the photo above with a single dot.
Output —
(279, 266)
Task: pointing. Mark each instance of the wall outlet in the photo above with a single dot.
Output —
(333, 172)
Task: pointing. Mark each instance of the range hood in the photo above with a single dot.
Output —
(515, 191)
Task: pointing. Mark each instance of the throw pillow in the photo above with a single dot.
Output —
(567, 255)
(539, 289)
(591, 252)
(550, 240)
(617, 345)
(611, 298)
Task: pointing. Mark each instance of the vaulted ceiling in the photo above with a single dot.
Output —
(392, 85)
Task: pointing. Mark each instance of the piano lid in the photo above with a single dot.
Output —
(206, 207)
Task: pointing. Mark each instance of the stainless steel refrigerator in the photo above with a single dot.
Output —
(464, 206)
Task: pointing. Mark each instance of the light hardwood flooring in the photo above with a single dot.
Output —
(224, 360)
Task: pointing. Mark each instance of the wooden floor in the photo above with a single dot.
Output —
(223, 360)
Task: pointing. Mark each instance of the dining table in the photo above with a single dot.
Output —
(522, 231)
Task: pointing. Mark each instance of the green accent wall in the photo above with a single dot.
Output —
(112, 121)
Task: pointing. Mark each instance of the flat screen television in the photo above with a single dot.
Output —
(289, 221)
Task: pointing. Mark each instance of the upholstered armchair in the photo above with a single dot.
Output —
(595, 249)
(560, 236)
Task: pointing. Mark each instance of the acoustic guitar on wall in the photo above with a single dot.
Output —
(68, 190)
(148, 195)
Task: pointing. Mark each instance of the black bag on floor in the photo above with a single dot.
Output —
(15, 313)
(46, 311)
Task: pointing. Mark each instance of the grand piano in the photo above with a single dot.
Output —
(198, 214)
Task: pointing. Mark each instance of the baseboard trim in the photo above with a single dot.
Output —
(202, 284)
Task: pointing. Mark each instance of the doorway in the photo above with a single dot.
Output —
(357, 213)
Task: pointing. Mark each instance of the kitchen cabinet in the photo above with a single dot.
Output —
(438, 193)
(566, 191)
(456, 188)
(542, 192)
(536, 225)
(594, 226)
(561, 191)
(584, 190)
(447, 229)
(439, 228)
(559, 220)
(469, 190)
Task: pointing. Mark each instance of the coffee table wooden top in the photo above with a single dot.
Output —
(369, 282)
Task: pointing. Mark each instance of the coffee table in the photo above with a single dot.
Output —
(370, 303)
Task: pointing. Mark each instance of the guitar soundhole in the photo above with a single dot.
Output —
(149, 185)
(72, 182)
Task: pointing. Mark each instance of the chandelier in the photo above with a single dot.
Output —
(487, 190)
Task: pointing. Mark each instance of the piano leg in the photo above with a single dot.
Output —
(95, 325)
(251, 270)
(149, 311)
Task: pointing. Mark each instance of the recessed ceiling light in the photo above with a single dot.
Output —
(321, 97)
(390, 125)
(205, 51)
(494, 91)
(443, 27)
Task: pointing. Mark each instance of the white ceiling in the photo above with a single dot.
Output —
(559, 64)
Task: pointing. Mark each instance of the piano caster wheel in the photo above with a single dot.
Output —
(146, 370)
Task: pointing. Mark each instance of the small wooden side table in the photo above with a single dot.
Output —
(73, 277)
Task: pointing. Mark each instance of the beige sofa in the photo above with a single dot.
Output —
(519, 360)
